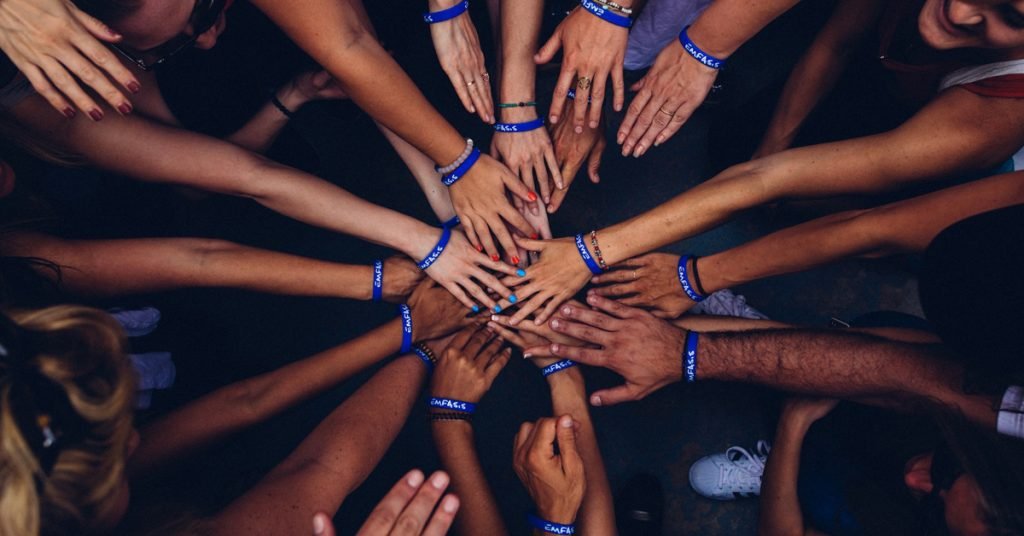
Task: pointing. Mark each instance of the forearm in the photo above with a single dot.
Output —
(136, 266)
(726, 24)
(569, 396)
(259, 133)
(479, 513)
(841, 364)
(520, 27)
(242, 404)
(422, 169)
(780, 506)
(337, 35)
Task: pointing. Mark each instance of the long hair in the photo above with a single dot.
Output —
(80, 351)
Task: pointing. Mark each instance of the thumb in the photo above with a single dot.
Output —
(549, 49)
(322, 525)
(638, 85)
(529, 244)
(321, 79)
(615, 395)
(94, 26)
(594, 161)
(566, 436)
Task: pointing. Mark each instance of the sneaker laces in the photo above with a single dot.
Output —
(747, 468)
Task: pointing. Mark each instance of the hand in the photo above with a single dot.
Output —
(592, 48)
(571, 149)
(556, 482)
(407, 510)
(311, 86)
(529, 155)
(807, 410)
(435, 312)
(461, 269)
(644, 350)
(458, 50)
(54, 44)
(650, 281)
(479, 200)
(535, 340)
(556, 278)
(668, 94)
(401, 277)
(540, 222)
(466, 370)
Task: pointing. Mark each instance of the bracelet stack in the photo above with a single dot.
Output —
(585, 255)
(458, 161)
(606, 12)
(446, 14)
(426, 355)
(462, 169)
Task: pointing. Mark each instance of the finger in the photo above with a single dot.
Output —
(508, 244)
(531, 244)
(624, 271)
(556, 200)
(566, 435)
(484, 233)
(495, 365)
(103, 58)
(526, 172)
(544, 184)
(516, 220)
(662, 118)
(414, 518)
(478, 293)
(615, 395)
(523, 295)
(587, 356)
(611, 307)
(87, 72)
(461, 339)
(67, 85)
(682, 115)
(618, 289)
(543, 444)
(461, 89)
(633, 301)
(530, 304)
(618, 88)
(493, 283)
(652, 116)
(46, 90)
(508, 334)
(485, 90)
(552, 163)
(382, 518)
(528, 327)
(549, 310)
(470, 231)
(550, 48)
(632, 115)
(537, 351)
(322, 525)
(590, 317)
(525, 431)
(594, 160)
(565, 79)
(597, 98)
(443, 517)
(457, 292)
(581, 331)
(498, 266)
(477, 342)
(579, 110)
(476, 95)
(518, 188)
(94, 26)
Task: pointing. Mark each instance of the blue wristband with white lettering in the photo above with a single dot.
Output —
(519, 127)
(452, 405)
(406, 313)
(446, 235)
(557, 366)
(692, 49)
(446, 14)
(463, 168)
(591, 263)
(378, 280)
(452, 223)
(606, 15)
(690, 357)
(425, 358)
(550, 527)
(684, 280)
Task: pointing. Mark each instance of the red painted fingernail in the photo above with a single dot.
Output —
(495, 258)
(534, 236)
(125, 109)
(96, 115)
(515, 260)
(134, 87)
(532, 196)
(69, 112)
(479, 248)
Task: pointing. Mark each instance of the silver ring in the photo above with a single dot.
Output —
(470, 83)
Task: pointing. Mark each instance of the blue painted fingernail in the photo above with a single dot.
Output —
(521, 273)
(497, 308)
(512, 298)
(476, 308)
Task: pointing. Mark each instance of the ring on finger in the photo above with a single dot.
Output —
(583, 83)
(634, 275)
(666, 112)
(471, 83)
(486, 75)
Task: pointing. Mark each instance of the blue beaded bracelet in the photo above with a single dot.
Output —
(446, 235)
(463, 168)
(446, 14)
(606, 15)
(406, 313)
(550, 527)
(378, 280)
(690, 357)
(692, 49)
(557, 366)
(519, 127)
(684, 280)
(452, 405)
(425, 358)
(452, 223)
(591, 263)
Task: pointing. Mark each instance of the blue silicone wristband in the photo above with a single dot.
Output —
(378, 280)
(452, 405)
(692, 49)
(605, 15)
(452, 223)
(463, 168)
(425, 358)
(519, 127)
(690, 357)
(446, 235)
(446, 14)
(684, 281)
(550, 527)
(557, 366)
(591, 263)
(406, 313)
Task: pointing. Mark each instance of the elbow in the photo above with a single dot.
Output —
(244, 399)
(254, 178)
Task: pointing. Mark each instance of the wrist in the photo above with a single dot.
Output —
(421, 241)
(560, 511)
(436, 5)
(566, 380)
(710, 41)
(291, 97)
(518, 114)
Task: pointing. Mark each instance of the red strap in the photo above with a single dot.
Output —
(1007, 85)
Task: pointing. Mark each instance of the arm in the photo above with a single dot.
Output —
(817, 71)
(242, 404)
(458, 50)
(422, 169)
(118, 267)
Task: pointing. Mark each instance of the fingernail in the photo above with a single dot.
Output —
(495, 318)
(595, 400)
(515, 260)
(134, 87)
(555, 323)
(497, 308)
(439, 481)
(578, 130)
(554, 118)
(591, 298)
(620, 138)
(555, 348)
(479, 248)
(532, 196)
(593, 124)
(476, 308)
(69, 112)
(658, 141)
(96, 115)
(495, 258)
(639, 151)
(566, 310)
(472, 110)
(565, 422)
(527, 356)
(534, 236)
(512, 298)
(521, 273)
(595, 279)
(450, 504)
(318, 524)
(547, 200)
(125, 108)
(415, 479)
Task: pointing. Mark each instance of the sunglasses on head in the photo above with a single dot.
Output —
(203, 17)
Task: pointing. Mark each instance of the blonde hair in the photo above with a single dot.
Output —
(80, 350)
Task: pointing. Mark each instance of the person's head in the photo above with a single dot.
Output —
(991, 24)
(155, 29)
(973, 482)
(66, 396)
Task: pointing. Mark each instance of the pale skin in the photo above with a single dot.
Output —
(458, 51)
(651, 281)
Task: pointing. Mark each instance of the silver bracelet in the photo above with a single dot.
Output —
(609, 4)
(458, 161)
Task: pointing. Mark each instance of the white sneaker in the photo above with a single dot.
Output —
(725, 303)
(733, 474)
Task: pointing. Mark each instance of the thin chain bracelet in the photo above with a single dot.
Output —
(597, 250)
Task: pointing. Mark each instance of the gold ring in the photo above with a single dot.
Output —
(634, 275)
(470, 83)
(670, 114)
(487, 76)
(583, 83)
